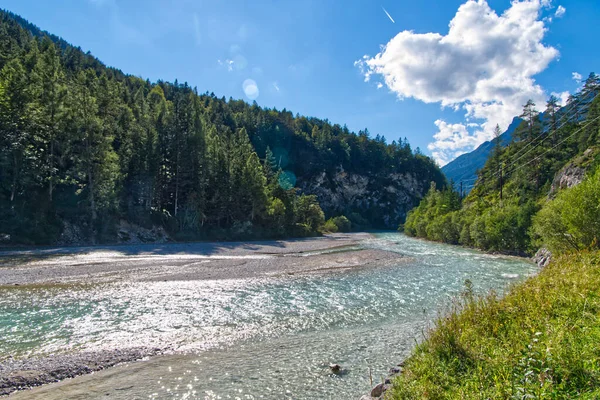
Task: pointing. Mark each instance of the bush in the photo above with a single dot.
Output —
(308, 212)
(329, 227)
(343, 224)
(571, 221)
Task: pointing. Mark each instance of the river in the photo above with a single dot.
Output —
(250, 338)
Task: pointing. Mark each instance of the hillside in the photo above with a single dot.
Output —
(548, 152)
(539, 341)
(464, 168)
(91, 154)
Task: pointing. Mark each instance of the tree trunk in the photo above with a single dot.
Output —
(90, 175)
(13, 189)
(50, 183)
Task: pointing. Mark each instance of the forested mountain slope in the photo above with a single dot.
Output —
(464, 168)
(85, 148)
(502, 212)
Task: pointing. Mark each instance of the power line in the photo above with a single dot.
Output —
(542, 136)
(556, 145)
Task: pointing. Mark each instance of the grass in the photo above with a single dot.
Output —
(540, 341)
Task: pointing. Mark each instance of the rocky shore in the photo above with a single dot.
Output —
(378, 391)
(22, 374)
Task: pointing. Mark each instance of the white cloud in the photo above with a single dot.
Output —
(562, 97)
(577, 77)
(450, 141)
(560, 11)
(250, 89)
(484, 65)
(276, 86)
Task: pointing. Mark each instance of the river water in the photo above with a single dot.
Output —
(268, 338)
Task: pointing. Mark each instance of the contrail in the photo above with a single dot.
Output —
(388, 14)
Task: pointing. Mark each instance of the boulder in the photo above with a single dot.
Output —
(378, 390)
(335, 368)
(542, 257)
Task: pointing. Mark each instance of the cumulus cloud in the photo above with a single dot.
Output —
(560, 11)
(484, 65)
(577, 77)
(450, 139)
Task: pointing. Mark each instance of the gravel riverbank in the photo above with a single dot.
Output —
(25, 268)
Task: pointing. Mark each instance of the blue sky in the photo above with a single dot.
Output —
(442, 88)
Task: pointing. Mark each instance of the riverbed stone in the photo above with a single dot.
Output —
(378, 390)
(335, 368)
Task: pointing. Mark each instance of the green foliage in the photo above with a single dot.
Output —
(329, 226)
(343, 224)
(337, 224)
(571, 221)
(539, 341)
(497, 214)
(88, 145)
(308, 212)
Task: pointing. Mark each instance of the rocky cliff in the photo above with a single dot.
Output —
(383, 201)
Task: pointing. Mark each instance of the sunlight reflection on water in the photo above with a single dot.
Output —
(259, 338)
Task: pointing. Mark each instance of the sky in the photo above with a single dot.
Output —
(441, 73)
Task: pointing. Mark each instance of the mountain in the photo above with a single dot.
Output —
(91, 154)
(464, 168)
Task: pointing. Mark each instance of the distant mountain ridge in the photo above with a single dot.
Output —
(464, 168)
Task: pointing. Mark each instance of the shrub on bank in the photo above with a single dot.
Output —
(571, 221)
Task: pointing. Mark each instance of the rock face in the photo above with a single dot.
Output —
(569, 176)
(127, 233)
(134, 234)
(384, 203)
(542, 257)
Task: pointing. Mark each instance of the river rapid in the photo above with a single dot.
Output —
(258, 338)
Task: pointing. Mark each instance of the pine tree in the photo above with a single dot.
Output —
(530, 115)
(51, 103)
(552, 108)
(270, 163)
(15, 123)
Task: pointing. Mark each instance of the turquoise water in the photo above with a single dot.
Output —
(251, 339)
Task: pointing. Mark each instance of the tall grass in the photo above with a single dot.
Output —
(540, 341)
